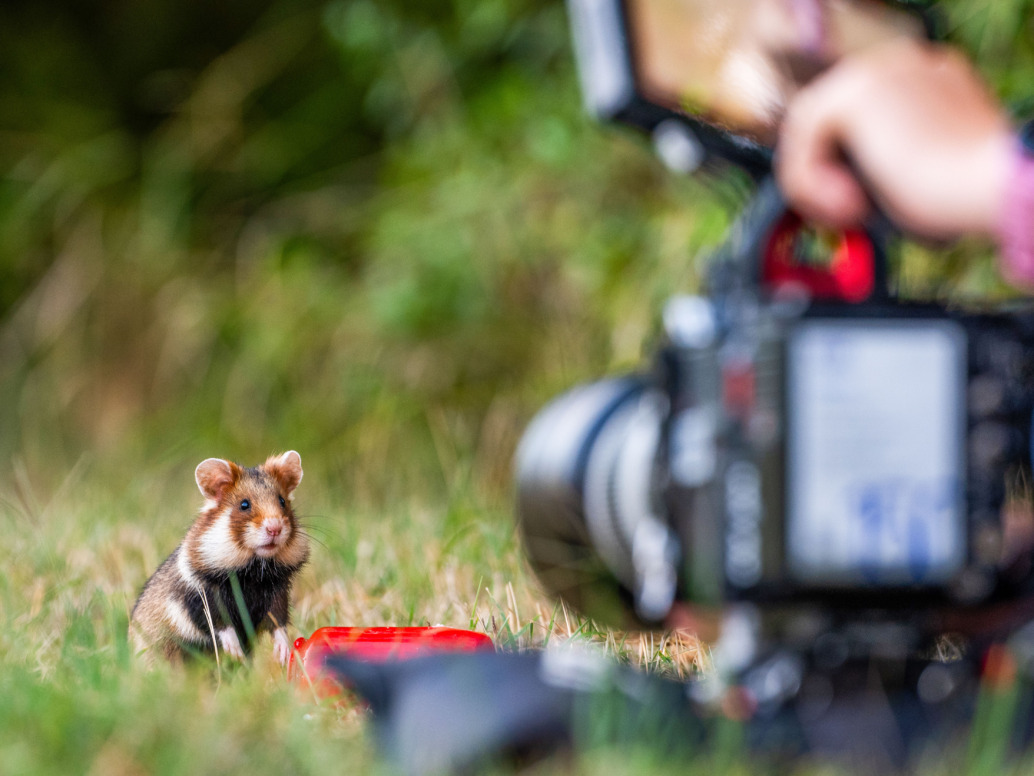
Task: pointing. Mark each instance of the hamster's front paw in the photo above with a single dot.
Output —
(281, 646)
(230, 643)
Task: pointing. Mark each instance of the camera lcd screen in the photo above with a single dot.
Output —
(736, 63)
(876, 429)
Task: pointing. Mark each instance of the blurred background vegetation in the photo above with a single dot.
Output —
(354, 228)
(351, 227)
(379, 232)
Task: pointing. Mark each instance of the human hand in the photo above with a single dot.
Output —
(907, 126)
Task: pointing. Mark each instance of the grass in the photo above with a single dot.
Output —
(75, 701)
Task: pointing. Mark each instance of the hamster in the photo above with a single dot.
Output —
(246, 531)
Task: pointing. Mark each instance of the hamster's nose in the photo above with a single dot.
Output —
(273, 530)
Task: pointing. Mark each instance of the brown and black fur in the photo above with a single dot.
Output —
(247, 535)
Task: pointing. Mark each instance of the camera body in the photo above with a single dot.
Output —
(805, 446)
(802, 442)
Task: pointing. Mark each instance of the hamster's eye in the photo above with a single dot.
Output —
(282, 502)
(245, 505)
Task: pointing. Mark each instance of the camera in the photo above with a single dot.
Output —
(790, 451)
(804, 446)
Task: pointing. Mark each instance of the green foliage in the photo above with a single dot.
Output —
(348, 218)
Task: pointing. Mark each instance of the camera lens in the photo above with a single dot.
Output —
(586, 499)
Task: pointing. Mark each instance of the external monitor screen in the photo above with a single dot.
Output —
(735, 63)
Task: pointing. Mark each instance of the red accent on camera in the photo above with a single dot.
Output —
(999, 669)
(850, 275)
(739, 388)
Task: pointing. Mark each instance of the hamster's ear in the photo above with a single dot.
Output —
(214, 476)
(286, 469)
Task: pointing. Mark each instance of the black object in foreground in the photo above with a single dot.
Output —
(452, 712)
(457, 712)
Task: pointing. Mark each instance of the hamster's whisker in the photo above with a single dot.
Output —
(311, 538)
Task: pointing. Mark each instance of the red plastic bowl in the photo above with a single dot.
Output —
(374, 644)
